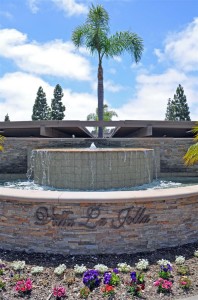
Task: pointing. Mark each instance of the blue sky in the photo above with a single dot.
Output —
(36, 50)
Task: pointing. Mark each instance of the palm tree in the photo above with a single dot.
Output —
(191, 156)
(1, 142)
(107, 115)
(94, 35)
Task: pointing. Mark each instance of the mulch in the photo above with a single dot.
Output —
(43, 283)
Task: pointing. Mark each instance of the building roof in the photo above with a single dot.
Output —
(80, 129)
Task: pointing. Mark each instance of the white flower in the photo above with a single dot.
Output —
(79, 269)
(142, 264)
(18, 265)
(60, 269)
(36, 270)
(101, 268)
(123, 267)
(179, 260)
(164, 262)
(196, 253)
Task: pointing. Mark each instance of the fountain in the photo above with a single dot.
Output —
(93, 168)
(95, 222)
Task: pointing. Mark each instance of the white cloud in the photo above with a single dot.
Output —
(6, 14)
(117, 58)
(136, 66)
(33, 5)
(56, 58)
(153, 91)
(110, 86)
(181, 48)
(70, 7)
(18, 92)
(112, 71)
(79, 105)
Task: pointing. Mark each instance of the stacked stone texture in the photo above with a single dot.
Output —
(90, 227)
(169, 152)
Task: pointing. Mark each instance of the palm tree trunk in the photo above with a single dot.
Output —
(100, 98)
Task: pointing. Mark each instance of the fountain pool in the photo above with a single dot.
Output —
(98, 222)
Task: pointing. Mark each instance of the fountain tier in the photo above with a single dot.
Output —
(93, 169)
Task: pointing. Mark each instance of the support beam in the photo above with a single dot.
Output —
(51, 132)
(86, 131)
(142, 132)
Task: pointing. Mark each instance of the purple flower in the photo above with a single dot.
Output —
(166, 268)
(107, 277)
(116, 271)
(90, 279)
(133, 276)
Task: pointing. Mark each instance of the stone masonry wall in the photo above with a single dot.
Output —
(169, 151)
(103, 226)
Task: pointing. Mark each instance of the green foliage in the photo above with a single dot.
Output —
(140, 277)
(2, 139)
(84, 292)
(115, 279)
(164, 274)
(107, 115)
(185, 282)
(2, 284)
(41, 110)
(183, 270)
(94, 35)
(191, 156)
(57, 107)
(170, 111)
(177, 109)
(7, 119)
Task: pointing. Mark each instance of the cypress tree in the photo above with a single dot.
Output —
(41, 110)
(57, 107)
(170, 116)
(7, 119)
(177, 109)
(182, 109)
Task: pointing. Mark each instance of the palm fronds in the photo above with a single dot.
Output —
(191, 156)
(1, 142)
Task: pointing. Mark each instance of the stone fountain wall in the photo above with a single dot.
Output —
(169, 152)
(87, 169)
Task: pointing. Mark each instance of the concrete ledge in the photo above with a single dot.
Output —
(107, 197)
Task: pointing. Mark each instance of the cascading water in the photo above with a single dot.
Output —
(30, 171)
(85, 169)
(147, 166)
(42, 167)
(155, 164)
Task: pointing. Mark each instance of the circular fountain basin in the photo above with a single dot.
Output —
(93, 169)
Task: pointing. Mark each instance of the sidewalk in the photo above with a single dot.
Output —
(190, 298)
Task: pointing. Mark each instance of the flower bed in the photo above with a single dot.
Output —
(165, 274)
